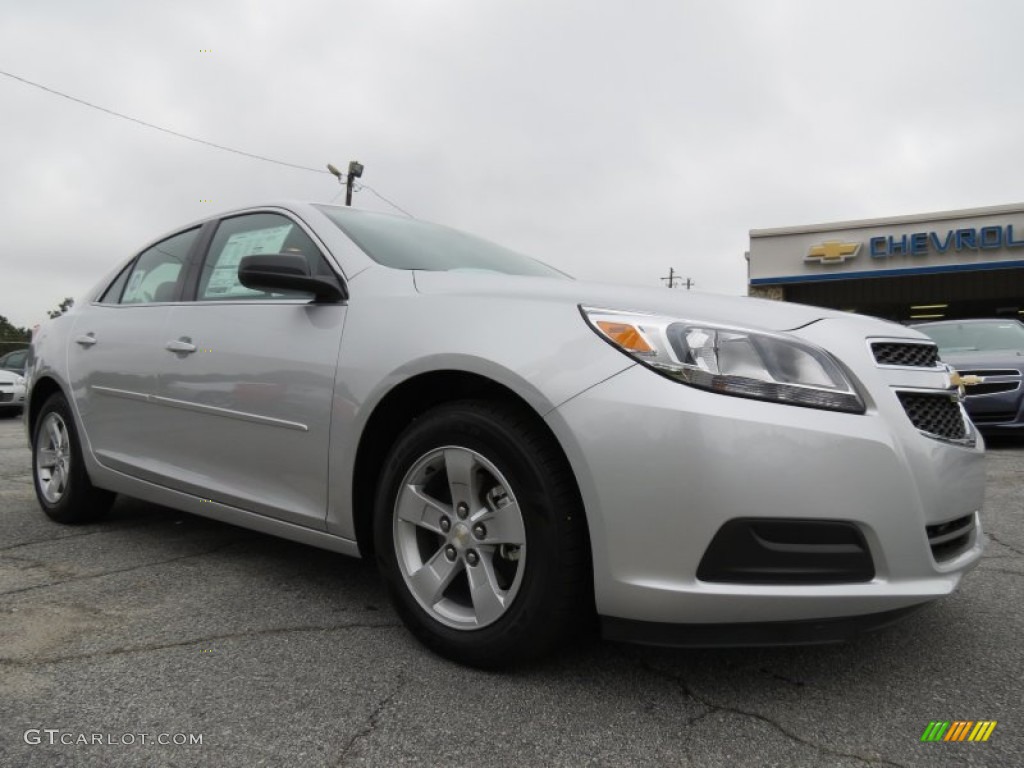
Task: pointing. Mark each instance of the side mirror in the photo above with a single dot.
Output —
(287, 272)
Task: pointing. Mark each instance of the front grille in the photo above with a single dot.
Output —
(985, 388)
(6, 397)
(993, 417)
(988, 372)
(937, 414)
(905, 354)
(948, 540)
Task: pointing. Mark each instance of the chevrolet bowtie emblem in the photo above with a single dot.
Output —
(956, 380)
(832, 252)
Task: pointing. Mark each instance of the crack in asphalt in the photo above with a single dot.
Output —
(1002, 543)
(35, 661)
(372, 722)
(31, 563)
(697, 718)
(1000, 570)
(783, 678)
(53, 539)
(715, 707)
(150, 564)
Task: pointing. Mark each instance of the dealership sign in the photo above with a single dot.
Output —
(950, 241)
(957, 240)
(919, 244)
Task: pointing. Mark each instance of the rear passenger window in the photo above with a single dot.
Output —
(158, 271)
(253, 233)
(113, 294)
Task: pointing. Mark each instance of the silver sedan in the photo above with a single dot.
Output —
(12, 392)
(521, 452)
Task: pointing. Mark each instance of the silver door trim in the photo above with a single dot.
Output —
(126, 394)
(200, 408)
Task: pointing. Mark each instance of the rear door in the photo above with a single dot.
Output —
(247, 392)
(116, 348)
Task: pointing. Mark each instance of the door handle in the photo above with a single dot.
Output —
(183, 345)
(87, 340)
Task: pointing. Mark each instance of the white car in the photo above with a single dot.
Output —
(12, 392)
(518, 450)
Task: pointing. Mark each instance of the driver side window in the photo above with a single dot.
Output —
(248, 234)
(157, 273)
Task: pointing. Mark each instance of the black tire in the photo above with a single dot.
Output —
(553, 597)
(73, 499)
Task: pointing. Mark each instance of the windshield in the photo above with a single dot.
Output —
(976, 337)
(412, 244)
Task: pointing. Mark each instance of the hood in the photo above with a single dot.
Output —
(729, 310)
(1000, 358)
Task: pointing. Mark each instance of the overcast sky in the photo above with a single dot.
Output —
(611, 139)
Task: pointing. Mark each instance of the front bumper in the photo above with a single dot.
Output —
(12, 396)
(997, 412)
(750, 634)
(663, 466)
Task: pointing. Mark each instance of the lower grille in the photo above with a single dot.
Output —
(948, 540)
(993, 417)
(787, 551)
(991, 388)
(6, 397)
(937, 414)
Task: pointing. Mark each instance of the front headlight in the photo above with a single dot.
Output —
(19, 380)
(731, 361)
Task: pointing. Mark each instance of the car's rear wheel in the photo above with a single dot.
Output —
(61, 481)
(480, 535)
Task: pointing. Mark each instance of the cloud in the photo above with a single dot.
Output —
(611, 139)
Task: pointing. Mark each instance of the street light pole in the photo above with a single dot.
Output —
(355, 170)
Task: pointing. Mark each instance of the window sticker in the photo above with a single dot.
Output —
(223, 280)
(133, 285)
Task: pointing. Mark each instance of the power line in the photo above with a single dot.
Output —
(360, 187)
(158, 128)
(196, 140)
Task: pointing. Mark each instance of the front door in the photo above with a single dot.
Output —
(247, 391)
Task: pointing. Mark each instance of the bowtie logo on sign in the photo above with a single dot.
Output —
(832, 252)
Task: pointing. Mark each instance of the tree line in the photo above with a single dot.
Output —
(11, 333)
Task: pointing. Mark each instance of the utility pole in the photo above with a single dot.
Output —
(673, 277)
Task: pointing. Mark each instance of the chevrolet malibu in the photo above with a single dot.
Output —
(12, 392)
(519, 451)
(989, 356)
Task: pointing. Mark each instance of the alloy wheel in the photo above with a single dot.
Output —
(53, 457)
(459, 537)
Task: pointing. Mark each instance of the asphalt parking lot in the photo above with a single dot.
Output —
(157, 625)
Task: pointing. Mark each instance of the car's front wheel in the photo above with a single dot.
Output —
(61, 481)
(479, 533)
